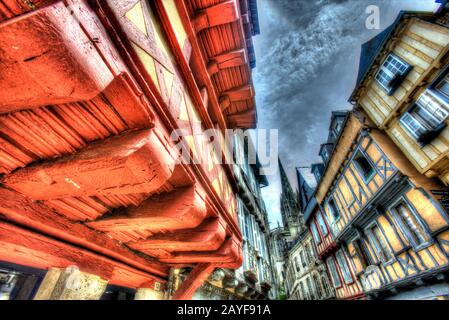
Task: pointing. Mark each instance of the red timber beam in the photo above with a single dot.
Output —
(19, 210)
(112, 20)
(208, 236)
(221, 13)
(226, 60)
(128, 163)
(133, 162)
(241, 93)
(194, 280)
(196, 55)
(206, 94)
(28, 248)
(180, 209)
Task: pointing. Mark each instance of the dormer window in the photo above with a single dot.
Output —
(317, 175)
(425, 119)
(392, 72)
(325, 155)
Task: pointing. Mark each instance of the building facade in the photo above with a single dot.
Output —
(91, 190)
(254, 279)
(303, 276)
(402, 86)
(306, 275)
(377, 223)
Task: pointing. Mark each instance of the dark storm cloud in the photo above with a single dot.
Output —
(307, 61)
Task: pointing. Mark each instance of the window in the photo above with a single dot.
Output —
(411, 226)
(315, 234)
(322, 224)
(443, 86)
(317, 175)
(426, 116)
(297, 264)
(333, 272)
(379, 243)
(360, 253)
(303, 291)
(344, 267)
(310, 287)
(303, 259)
(392, 72)
(325, 155)
(309, 252)
(333, 209)
(365, 168)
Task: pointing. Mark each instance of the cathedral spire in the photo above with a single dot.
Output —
(289, 203)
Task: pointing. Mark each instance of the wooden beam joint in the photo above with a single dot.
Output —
(222, 13)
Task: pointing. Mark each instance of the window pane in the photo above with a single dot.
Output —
(389, 69)
(413, 125)
(333, 271)
(380, 244)
(443, 86)
(322, 224)
(431, 110)
(366, 169)
(333, 209)
(413, 228)
(315, 234)
(344, 267)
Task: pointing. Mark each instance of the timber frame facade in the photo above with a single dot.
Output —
(90, 94)
(376, 223)
(400, 86)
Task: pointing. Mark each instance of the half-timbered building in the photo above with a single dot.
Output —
(92, 191)
(402, 86)
(389, 232)
(254, 279)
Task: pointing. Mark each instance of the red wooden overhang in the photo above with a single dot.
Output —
(89, 172)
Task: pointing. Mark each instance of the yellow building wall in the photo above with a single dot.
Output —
(351, 193)
(406, 262)
(423, 45)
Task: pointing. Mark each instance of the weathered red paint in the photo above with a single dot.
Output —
(193, 281)
(134, 162)
(91, 132)
(179, 209)
(28, 248)
(206, 237)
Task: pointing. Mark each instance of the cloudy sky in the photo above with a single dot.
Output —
(307, 61)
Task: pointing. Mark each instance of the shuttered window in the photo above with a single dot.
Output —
(443, 86)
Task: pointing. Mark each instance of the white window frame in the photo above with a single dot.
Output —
(405, 229)
(335, 276)
(344, 267)
(385, 69)
(424, 107)
(322, 225)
